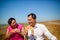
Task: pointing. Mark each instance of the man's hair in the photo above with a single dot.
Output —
(33, 15)
(10, 20)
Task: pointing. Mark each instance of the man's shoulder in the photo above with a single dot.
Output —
(37, 24)
(40, 25)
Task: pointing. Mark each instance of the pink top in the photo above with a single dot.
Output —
(16, 36)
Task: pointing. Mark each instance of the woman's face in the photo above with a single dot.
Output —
(13, 23)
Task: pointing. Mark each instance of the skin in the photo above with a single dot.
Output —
(13, 25)
(31, 21)
(24, 32)
(31, 25)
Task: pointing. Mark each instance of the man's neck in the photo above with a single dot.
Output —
(33, 25)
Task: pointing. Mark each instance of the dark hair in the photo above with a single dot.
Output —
(33, 15)
(10, 20)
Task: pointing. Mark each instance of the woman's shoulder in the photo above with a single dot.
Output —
(20, 26)
(9, 28)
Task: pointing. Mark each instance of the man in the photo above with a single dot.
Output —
(37, 31)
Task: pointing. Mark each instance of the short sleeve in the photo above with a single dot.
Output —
(9, 29)
(20, 26)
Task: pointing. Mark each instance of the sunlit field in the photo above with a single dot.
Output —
(53, 27)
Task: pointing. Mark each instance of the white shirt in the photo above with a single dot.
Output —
(39, 31)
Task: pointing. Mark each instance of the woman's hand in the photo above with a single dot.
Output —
(12, 31)
(15, 30)
(18, 30)
(8, 34)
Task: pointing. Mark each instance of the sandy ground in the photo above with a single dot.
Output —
(53, 27)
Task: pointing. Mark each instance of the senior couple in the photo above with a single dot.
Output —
(33, 31)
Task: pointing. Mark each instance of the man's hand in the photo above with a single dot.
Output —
(32, 31)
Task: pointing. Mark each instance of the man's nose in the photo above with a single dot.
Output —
(29, 21)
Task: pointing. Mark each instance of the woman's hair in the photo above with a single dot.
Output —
(10, 20)
(33, 15)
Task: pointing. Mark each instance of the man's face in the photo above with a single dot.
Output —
(31, 21)
(13, 23)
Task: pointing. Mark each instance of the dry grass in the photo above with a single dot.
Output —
(53, 27)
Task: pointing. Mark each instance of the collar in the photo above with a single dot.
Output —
(35, 26)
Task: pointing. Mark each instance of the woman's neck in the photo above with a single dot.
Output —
(15, 26)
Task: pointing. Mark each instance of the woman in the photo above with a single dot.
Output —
(14, 31)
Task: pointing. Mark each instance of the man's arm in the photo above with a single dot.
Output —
(48, 34)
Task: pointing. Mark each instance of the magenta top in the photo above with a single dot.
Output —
(16, 36)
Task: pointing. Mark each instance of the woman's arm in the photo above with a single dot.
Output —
(22, 32)
(9, 34)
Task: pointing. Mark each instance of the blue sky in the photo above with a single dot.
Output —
(45, 10)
